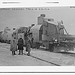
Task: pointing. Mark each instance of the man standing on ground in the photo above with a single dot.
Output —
(13, 45)
(27, 36)
(20, 45)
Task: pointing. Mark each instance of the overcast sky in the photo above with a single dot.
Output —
(19, 18)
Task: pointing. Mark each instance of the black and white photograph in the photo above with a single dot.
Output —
(37, 36)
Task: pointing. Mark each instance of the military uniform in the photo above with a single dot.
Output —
(20, 46)
(28, 44)
(28, 47)
(28, 38)
(13, 46)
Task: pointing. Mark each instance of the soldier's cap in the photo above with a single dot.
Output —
(33, 24)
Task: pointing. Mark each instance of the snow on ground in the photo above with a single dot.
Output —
(57, 58)
(37, 58)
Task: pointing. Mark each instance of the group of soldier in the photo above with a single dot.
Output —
(14, 46)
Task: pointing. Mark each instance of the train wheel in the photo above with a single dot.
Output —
(37, 45)
(51, 47)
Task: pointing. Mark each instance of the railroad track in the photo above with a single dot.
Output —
(44, 60)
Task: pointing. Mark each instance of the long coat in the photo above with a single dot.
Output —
(20, 44)
(13, 45)
(28, 44)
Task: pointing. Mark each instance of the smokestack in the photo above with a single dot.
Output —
(40, 19)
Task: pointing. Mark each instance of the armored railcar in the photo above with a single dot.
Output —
(52, 36)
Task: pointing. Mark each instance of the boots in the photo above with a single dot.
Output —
(13, 53)
(28, 52)
(20, 52)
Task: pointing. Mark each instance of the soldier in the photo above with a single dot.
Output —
(28, 38)
(13, 45)
(28, 46)
(20, 45)
(28, 43)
